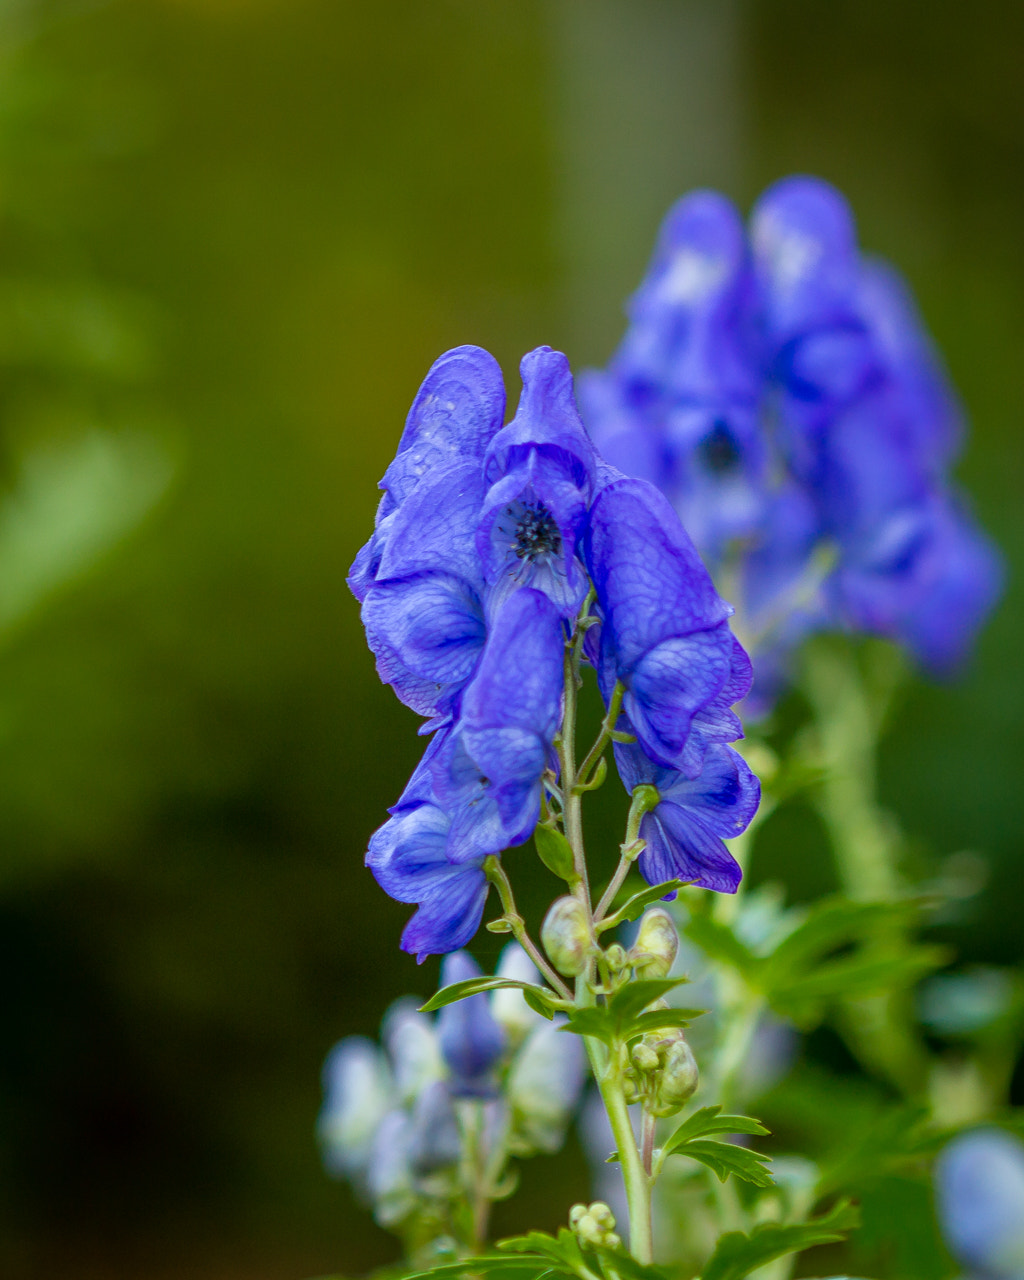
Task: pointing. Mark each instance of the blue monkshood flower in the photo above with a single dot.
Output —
(471, 1039)
(979, 1181)
(357, 1095)
(539, 470)
(807, 268)
(665, 630)
(678, 403)
(407, 856)
(424, 615)
(684, 832)
(488, 774)
(460, 405)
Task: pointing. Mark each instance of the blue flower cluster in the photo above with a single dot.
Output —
(488, 541)
(390, 1121)
(779, 387)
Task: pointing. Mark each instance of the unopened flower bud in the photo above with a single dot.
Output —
(594, 1224)
(656, 945)
(644, 1057)
(616, 958)
(602, 1215)
(565, 934)
(677, 1080)
(630, 1090)
(507, 1003)
(543, 1087)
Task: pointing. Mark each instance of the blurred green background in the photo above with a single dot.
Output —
(233, 236)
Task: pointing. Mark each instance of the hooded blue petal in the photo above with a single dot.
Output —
(684, 833)
(665, 631)
(489, 778)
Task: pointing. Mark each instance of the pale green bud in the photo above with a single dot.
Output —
(656, 945)
(575, 1214)
(602, 1215)
(589, 1230)
(678, 1079)
(565, 934)
(645, 1058)
(616, 957)
(612, 1241)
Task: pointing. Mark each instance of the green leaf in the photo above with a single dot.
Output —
(617, 1262)
(710, 1120)
(473, 986)
(555, 852)
(635, 905)
(537, 1004)
(561, 1251)
(594, 1022)
(725, 1158)
(634, 997)
(722, 1158)
(659, 1020)
(804, 998)
(494, 1265)
(901, 1136)
(737, 1255)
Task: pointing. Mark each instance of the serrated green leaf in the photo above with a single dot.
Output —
(710, 1120)
(659, 1020)
(594, 1022)
(555, 852)
(831, 924)
(561, 1251)
(719, 942)
(473, 986)
(725, 1159)
(737, 1255)
(901, 1136)
(803, 998)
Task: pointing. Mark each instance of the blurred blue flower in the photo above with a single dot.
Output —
(979, 1183)
(472, 1040)
(781, 390)
(684, 832)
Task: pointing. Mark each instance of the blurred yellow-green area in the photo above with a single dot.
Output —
(233, 236)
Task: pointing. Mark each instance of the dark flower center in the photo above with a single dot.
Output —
(718, 451)
(536, 533)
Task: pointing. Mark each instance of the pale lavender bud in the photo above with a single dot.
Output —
(471, 1041)
(412, 1046)
(434, 1140)
(507, 1004)
(357, 1095)
(544, 1085)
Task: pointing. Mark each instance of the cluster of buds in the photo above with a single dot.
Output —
(662, 1071)
(594, 1224)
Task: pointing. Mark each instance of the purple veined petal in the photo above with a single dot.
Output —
(805, 257)
(519, 680)
(433, 531)
(546, 420)
(457, 410)
(684, 832)
(471, 1039)
(528, 532)
(426, 633)
(669, 686)
(651, 582)
(407, 858)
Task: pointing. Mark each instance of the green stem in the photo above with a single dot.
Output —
(866, 844)
(604, 737)
(497, 875)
